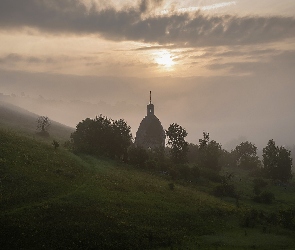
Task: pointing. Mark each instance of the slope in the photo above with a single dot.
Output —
(16, 118)
(53, 199)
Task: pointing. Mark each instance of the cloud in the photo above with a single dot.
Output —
(278, 64)
(148, 5)
(181, 29)
(14, 58)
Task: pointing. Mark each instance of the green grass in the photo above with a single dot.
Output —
(53, 199)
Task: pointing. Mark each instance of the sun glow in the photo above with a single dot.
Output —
(164, 58)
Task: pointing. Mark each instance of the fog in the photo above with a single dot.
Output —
(231, 109)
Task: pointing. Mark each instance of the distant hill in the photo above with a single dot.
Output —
(17, 118)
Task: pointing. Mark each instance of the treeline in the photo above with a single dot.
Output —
(103, 136)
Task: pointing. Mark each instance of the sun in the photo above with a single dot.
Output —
(164, 58)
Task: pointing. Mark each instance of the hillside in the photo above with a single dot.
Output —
(53, 199)
(14, 117)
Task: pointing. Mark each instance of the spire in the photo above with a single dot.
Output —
(150, 97)
(150, 106)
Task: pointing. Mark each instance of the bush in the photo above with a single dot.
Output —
(250, 218)
(184, 171)
(225, 190)
(211, 175)
(138, 156)
(259, 183)
(265, 197)
(195, 173)
(287, 218)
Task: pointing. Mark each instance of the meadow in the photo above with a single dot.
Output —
(55, 199)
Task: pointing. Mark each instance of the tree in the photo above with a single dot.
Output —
(284, 164)
(102, 136)
(209, 153)
(176, 139)
(246, 156)
(270, 157)
(43, 124)
(121, 138)
(277, 162)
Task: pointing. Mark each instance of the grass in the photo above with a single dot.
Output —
(53, 199)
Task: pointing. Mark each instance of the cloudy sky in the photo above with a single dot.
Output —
(225, 67)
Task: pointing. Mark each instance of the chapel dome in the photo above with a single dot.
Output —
(150, 134)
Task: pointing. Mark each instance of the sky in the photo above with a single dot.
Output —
(224, 67)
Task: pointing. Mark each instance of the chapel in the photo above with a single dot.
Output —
(150, 134)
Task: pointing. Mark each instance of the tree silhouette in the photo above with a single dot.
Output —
(209, 153)
(43, 124)
(246, 155)
(277, 162)
(176, 139)
(102, 136)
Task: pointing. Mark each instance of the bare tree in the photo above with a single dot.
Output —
(43, 124)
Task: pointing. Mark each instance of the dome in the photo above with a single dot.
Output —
(150, 133)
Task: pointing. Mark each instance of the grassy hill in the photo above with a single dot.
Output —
(54, 199)
(16, 118)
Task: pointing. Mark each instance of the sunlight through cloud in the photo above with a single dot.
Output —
(164, 58)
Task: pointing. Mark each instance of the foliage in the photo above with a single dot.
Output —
(246, 156)
(43, 124)
(209, 153)
(176, 139)
(137, 156)
(226, 188)
(102, 137)
(265, 197)
(259, 183)
(226, 159)
(284, 166)
(287, 218)
(193, 151)
(277, 162)
(211, 175)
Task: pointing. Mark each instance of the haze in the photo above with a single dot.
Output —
(225, 67)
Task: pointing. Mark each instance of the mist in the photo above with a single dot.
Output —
(229, 108)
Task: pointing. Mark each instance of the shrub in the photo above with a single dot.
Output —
(137, 156)
(259, 183)
(184, 171)
(211, 175)
(225, 190)
(250, 218)
(287, 218)
(265, 197)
